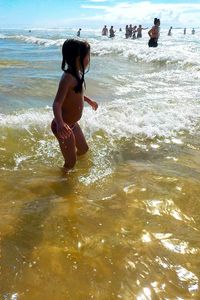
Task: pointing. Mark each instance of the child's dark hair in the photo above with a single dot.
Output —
(72, 49)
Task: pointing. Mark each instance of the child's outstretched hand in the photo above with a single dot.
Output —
(94, 105)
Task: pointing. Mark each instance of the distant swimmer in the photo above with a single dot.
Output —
(193, 31)
(170, 31)
(130, 30)
(134, 30)
(112, 32)
(79, 32)
(126, 32)
(139, 31)
(184, 31)
(105, 31)
(154, 33)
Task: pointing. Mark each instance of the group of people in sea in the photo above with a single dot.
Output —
(136, 32)
(130, 31)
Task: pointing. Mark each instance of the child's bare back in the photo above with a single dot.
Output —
(72, 106)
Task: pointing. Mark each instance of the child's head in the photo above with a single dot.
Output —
(76, 55)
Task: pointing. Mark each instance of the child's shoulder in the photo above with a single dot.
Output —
(68, 78)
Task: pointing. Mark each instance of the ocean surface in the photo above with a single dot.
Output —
(125, 223)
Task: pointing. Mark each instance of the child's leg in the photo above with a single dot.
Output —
(68, 150)
(81, 144)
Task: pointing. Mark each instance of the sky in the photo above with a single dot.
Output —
(96, 13)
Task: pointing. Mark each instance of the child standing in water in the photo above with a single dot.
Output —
(69, 101)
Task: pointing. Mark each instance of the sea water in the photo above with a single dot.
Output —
(124, 224)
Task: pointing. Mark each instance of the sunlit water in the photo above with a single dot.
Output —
(124, 224)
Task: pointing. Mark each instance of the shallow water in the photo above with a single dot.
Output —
(124, 224)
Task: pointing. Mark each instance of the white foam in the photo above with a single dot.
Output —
(39, 41)
(123, 118)
(26, 119)
(181, 53)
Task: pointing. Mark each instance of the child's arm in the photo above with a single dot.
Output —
(92, 103)
(63, 129)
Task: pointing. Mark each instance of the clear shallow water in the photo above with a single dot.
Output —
(125, 223)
